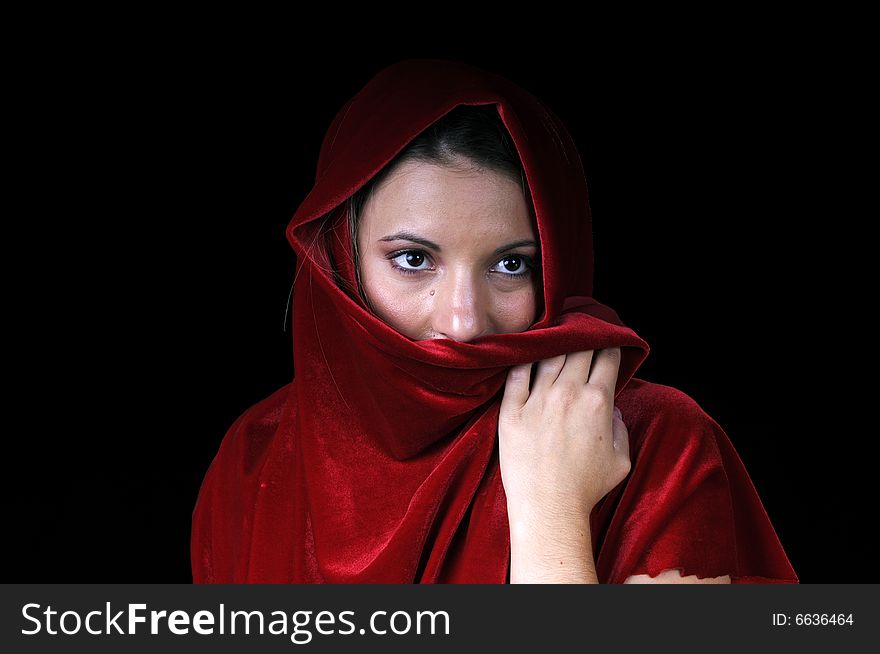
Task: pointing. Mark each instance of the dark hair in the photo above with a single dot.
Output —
(468, 137)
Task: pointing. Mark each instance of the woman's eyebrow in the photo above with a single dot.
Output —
(415, 238)
(409, 236)
(516, 244)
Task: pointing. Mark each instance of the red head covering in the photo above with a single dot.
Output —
(379, 462)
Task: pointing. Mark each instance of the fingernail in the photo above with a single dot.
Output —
(618, 414)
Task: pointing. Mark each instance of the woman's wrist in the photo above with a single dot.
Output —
(549, 552)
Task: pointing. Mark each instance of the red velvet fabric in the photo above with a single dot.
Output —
(378, 463)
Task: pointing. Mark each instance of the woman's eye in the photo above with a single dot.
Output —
(513, 264)
(411, 260)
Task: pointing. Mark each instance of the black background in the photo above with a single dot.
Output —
(160, 175)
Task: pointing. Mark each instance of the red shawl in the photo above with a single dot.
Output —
(378, 463)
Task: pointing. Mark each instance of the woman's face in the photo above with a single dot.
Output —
(449, 254)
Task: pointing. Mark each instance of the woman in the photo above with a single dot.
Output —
(444, 249)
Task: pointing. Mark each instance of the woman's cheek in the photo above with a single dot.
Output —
(515, 311)
(402, 307)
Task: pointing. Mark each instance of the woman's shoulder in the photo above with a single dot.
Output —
(689, 502)
(650, 408)
(248, 439)
(646, 398)
(230, 488)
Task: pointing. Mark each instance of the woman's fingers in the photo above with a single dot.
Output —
(516, 388)
(547, 372)
(606, 365)
(599, 368)
(577, 367)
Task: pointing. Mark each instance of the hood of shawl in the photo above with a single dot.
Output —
(368, 367)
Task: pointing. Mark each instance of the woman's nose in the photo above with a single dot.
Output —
(460, 310)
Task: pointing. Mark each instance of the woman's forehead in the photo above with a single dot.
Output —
(431, 198)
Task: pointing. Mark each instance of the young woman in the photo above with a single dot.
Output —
(462, 410)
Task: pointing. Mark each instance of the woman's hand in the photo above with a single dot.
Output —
(561, 447)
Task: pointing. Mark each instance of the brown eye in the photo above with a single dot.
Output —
(414, 259)
(514, 265)
(409, 262)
